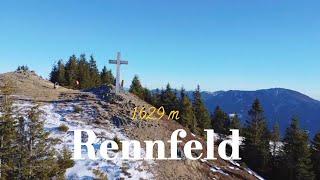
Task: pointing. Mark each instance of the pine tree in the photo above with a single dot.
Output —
(41, 161)
(95, 78)
(84, 72)
(256, 148)
(275, 139)
(136, 87)
(235, 123)
(187, 117)
(54, 74)
(61, 77)
(7, 133)
(201, 112)
(169, 99)
(106, 76)
(297, 153)
(156, 98)
(72, 71)
(219, 121)
(315, 149)
(276, 153)
(147, 95)
(64, 162)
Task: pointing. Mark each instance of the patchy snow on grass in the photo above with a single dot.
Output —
(56, 114)
(218, 170)
(254, 174)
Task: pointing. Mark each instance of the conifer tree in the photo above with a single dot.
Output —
(275, 139)
(61, 79)
(41, 161)
(64, 162)
(72, 71)
(156, 98)
(297, 153)
(219, 121)
(136, 87)
(54, 74)
(187, 116)
(7, 133)
(106, 76)
(276, 152)
(201, 112)
(84, 72)
(169, 99)
(315, 157)
(147, 95)
(256, 148)
(95, 79)
(235, 123)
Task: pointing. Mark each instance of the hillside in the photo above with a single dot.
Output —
(109, 116)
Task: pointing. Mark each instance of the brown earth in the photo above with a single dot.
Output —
(118, 110)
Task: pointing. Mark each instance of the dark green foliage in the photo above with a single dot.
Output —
(274, 139)
(95, 79)
(147, 95)
(58, 73)
(106, 76)
(63, 128)
(26, 150)
(235, 123)
(136, 87)
(256, 149)
(23, 68)
(276, 153)
(38, 149)
(220, 121)
(8, 135)
(84, 73)
(201, 112)
(169, 100)
(315, 149)
(156, 98)
(296, 159)
(72, 72)
(187, 117)
(64, 161)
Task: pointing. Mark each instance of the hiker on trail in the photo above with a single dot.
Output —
(122, 84)
(77, 84)
(56, 85)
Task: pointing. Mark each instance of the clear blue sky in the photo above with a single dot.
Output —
(219, 45)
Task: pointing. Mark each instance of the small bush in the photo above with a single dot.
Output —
(99, 174)
(117, 140)
(63, 128)
(78, 109)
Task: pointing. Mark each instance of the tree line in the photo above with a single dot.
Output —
(80, 73)
(292, 157)
(26, 149)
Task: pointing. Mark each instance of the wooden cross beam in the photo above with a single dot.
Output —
(118, 62)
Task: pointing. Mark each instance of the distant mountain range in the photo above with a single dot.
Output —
(278, 103)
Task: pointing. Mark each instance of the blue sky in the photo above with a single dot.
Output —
(219, 45)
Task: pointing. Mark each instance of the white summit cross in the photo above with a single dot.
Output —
(118, 62)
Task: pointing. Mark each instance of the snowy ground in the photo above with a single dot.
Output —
(64, 113)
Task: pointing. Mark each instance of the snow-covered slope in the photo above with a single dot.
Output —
(56, 114)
